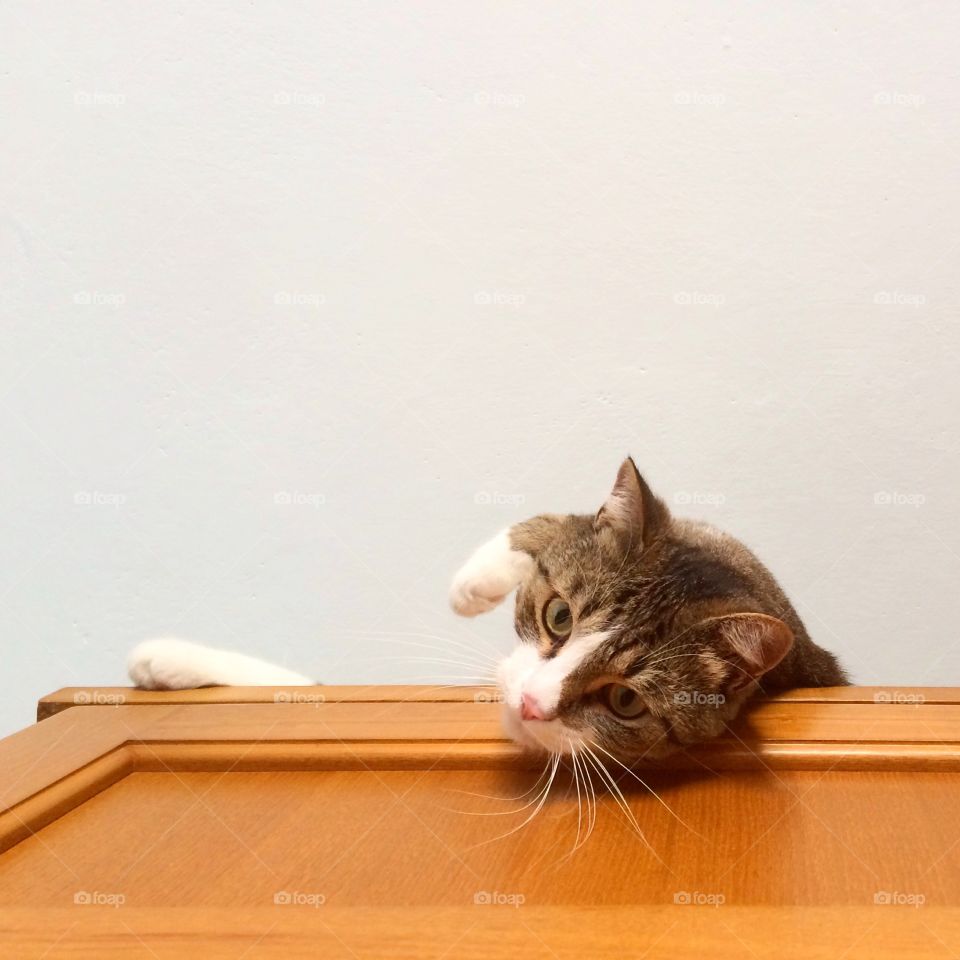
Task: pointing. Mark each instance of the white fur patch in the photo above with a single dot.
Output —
(489, 576)
(554, 736)
(513, 671)
(171, 664)
(525, 671)
(546, 681)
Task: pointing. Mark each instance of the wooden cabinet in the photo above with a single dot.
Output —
(374, 822)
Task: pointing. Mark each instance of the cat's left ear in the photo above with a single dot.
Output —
(632, 509)
(748, 646)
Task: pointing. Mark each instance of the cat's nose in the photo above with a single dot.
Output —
(531, 708)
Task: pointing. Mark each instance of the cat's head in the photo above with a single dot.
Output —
(639, 633)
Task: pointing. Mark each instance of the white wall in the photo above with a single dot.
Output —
(404, 258)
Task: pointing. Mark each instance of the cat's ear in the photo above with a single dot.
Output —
(748, 645)
(632, 509)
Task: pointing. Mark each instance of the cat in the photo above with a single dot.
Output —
(640, 633)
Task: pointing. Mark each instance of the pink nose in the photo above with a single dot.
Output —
(531, 708)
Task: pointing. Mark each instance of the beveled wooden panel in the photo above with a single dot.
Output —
(358, 837)
(482, 933)
(372, 822)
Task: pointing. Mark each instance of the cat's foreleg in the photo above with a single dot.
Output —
(493, 571)
(171, 664)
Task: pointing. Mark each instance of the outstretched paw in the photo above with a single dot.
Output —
(489, 576)
(167, 664)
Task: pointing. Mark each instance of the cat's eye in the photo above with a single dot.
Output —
(623, 701)
(558, 618)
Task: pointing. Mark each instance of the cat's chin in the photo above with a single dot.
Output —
(538, 736)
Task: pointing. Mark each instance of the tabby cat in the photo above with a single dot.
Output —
(640, 633)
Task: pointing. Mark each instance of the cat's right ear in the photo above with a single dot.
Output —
(632, 511)
(748, 646)
(491, 574)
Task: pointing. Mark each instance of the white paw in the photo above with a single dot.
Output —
(489, 576)
(471, 597)
(166, 664)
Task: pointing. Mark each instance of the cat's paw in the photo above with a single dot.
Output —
(167, 664)
(489, 576)
(472, 597)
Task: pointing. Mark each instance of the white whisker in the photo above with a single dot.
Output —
(618, 796)
(451, 680)
(388, 635)
(483, 796)
(576, 780)
(647, 786)
(464, 651)
(542, 797)
(444, 660)
(592, 809)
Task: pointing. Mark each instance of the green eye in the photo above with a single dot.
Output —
(624, 701)
(558, 618)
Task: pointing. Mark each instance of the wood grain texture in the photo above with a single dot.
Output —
(393, 823)
(355, 838)
(482, 933)
(112, 696)
(105, 696)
